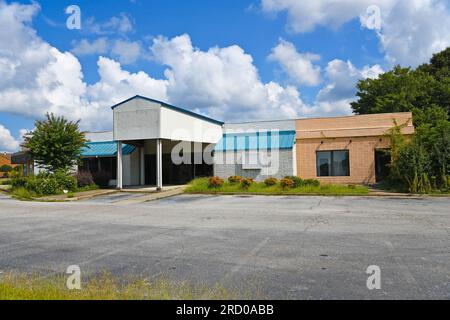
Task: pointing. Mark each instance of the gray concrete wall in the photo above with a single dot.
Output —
(229, 163)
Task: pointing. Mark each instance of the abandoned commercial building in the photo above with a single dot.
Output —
(155, 143)
(148, 133)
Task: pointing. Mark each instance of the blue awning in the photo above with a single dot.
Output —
(104, 149)
(256, 141)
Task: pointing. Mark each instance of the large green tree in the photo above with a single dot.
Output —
(405, 89)
(55, 143)
(439, 66)
(424, 162)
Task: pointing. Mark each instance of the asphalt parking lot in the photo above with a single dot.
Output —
(277, 247)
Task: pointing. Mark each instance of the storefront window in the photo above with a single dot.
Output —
(333, 163)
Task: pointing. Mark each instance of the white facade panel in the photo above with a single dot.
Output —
(137, 119)
(180, 126)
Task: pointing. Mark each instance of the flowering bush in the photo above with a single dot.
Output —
(234, 179)
(270, 182)
(246, 183)
(84, 178)
(215, 182)
(287, 183)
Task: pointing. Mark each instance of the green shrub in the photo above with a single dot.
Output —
(287, 183)
(5, 182)
(311, 182)
(215, 182)
(18, 182)
(22, 194)
(246, 183)
(44, 185)
(65, 180)
(298, 182)
(269, 182)
(234, 179)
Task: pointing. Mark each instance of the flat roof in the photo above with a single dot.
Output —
(319, 118)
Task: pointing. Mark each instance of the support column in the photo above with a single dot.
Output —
(158, 164)
(119, 165)
(142, 164)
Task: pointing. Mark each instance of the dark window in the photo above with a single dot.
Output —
(333, 163)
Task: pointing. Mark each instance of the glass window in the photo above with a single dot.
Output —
(323, 164)
(333, 163)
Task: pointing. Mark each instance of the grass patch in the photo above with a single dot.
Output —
(88, 188)
(107, 287)
(201, 186)
(22, 194)
(399, 188)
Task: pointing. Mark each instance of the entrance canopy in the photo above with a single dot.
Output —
(104, 149)
(139, 120)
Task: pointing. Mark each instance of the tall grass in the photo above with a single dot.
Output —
(201, 186)
(106, 287)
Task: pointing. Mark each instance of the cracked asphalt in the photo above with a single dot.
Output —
(272, 247)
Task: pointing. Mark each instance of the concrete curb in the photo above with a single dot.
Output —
(380, 195)
(78, 198)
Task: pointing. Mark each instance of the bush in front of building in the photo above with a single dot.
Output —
(311, 182)
(84, 179)
(298, 182)
(287, 183)
(45, 184)
(246, 183)
(269, 182)
(235, 179)
(215, 182)
(101, 178)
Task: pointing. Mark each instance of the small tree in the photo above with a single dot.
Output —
(56, 143)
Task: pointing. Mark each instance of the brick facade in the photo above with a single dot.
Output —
(360, 135)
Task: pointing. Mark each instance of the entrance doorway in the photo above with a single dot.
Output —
(382, 161)
(173, 174)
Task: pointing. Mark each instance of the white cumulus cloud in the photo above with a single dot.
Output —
(85, 47)
(7, 141)
(298, 66)
(222, 82)
(342, 77)
(411, 30)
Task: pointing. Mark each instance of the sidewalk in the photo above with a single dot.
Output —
(79, 195)
(155, 195)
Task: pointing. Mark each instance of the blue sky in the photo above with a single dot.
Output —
(231, 60)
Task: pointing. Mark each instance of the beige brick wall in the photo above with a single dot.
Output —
(361, 153)
(361, 135)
